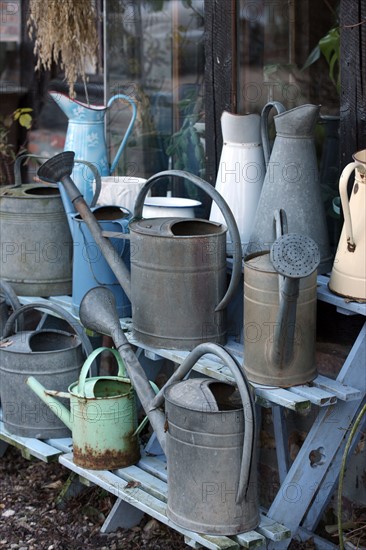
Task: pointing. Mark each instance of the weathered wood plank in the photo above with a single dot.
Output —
(29, 446)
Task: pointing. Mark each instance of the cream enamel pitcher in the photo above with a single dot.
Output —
(348, 277)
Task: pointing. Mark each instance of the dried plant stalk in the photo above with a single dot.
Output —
(65, 32)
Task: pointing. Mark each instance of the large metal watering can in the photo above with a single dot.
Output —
(54, 356)
(177, 265)
(208, 438)
(348, 277)
(102, 416)
(280, 296)
(86, 137)
(292, 182)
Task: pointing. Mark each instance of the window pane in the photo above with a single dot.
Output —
(155, 54)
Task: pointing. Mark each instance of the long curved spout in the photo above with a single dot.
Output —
(58, 169)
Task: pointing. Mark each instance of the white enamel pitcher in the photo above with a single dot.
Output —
(348, 277)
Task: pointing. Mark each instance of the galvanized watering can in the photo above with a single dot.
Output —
(292, 183)
(54, 356)
(86, 137)
(348, 277)
(102, 416)
(208, 438)
(177, 265)
(36, 244)
(280, 296)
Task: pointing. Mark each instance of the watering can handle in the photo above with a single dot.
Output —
(129, 128)
(98, 181)
(18, 162)
(74, 323)
(18, 176)
(228, 216)
(264, 126)
(245, 394)
(88, 362)
(343, 182)
(7, 291)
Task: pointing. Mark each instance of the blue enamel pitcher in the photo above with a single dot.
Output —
(86, 137)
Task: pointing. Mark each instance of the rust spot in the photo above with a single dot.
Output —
(93, 459)
(166, 426)
(132, 484)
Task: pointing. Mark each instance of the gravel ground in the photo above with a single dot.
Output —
(31, 520)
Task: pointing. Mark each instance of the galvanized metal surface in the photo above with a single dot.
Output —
(54, 356)
(204, 450)
(181, 266)
(36, 244)
(261, 324)
(292, 183)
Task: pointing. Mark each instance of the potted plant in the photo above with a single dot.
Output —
(8, 150)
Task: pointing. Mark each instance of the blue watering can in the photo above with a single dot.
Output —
(86, 137)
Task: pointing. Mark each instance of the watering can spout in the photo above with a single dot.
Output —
(98, 312)
(294, 257)
(46, 396)
(58, 169)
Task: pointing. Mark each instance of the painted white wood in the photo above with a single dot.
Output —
(341, 391)
(123, 515)
(316, 396)
(29, 446)
(331, 426)
(281, 437)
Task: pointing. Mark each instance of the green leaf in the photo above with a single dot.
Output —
(312, 58)
(25, 120)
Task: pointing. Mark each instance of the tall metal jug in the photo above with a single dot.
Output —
(241, 172)
(292, 183)
(86, 137)
(348, 277)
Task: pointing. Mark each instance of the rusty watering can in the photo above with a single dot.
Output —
(54, 356)
(208, 438)
(177, 264)
(280, 296)
(102, 416)
(348, 277)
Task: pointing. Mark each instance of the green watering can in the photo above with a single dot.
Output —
(102, 416)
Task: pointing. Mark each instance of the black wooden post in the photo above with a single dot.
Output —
(220, 75)
(353, 78)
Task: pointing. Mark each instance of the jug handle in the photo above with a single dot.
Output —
(88, 362)
(228, 216)
(264, 126)
(129, 128)
(74, 323)
(21, 158)
(125, 230)
(245, 394)
(343, 182)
